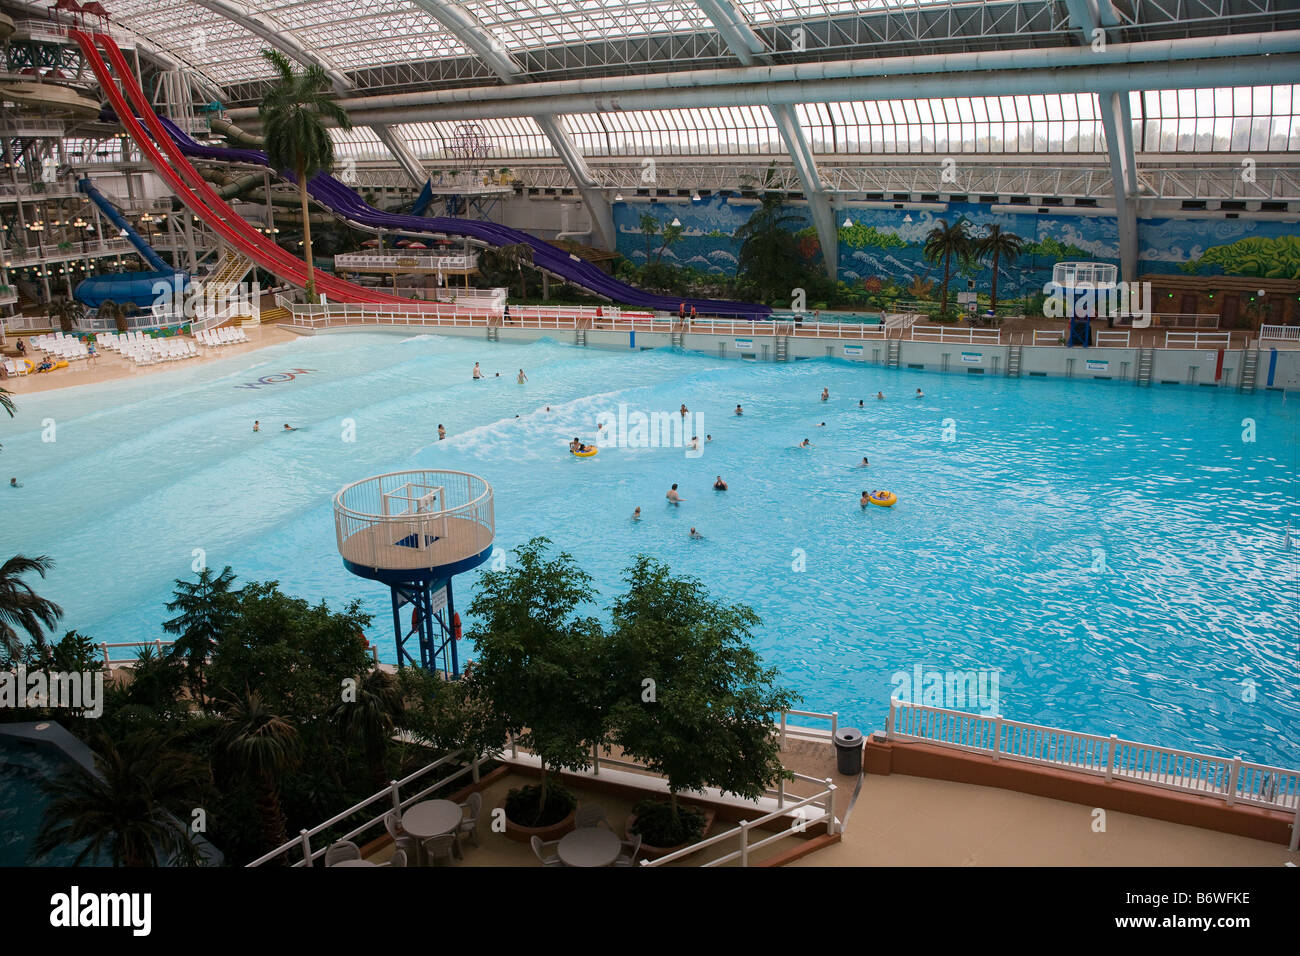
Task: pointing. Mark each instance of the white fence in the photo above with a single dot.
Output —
(1198, 340)
(1280, 333)
(374, 262)
(1049, 336)
(1230, 780)
(966, 336)
(1112, 339)
(388, 799)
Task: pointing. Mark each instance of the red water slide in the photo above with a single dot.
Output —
(200, 198)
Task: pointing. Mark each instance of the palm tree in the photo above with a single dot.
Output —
(370, 719)
(513, 258)
(295, 136)
(649, 229)
(22, 608)
(943, 243)
(769, 253)
(264, 746)
(206, 608)
(127, 808)
(1000, 245)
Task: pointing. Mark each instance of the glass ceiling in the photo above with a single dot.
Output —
(523, 24)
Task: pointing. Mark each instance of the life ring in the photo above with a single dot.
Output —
(455, 626)
(886, 499)
(585, 454)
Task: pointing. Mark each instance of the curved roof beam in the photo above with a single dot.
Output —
(471, 32)
(282, 38)
(750, 51)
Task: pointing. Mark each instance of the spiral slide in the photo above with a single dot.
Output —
(199, 197)
(346, 204)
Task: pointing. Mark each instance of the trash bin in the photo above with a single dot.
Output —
(848, 751)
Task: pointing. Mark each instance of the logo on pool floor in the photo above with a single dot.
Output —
(276, 378)
(637, 429)
(975, 691)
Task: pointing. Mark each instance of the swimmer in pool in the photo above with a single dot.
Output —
(289, 428)
(575, 445)
(805, 444)
(918, 394)
(477, 373)
(695, 443)
(880, 396)
(719, 484)
(826, 394)
(636, 515)
(866, 500)
(696, 534)
(521, 377)
(683, 409)
(865, 463)
(257, 426)
(739, 411)
(13, 483)
(442, 433)
(861, 404)
(707, 439)
(673, 496)
(822, 425)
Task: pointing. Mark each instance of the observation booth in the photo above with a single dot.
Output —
(1088, 290)
(414, 531)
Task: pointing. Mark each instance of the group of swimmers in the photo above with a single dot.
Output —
(257, 427)
(477, 375)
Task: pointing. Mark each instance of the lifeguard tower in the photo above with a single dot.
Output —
(414, 531)
(1088, 290)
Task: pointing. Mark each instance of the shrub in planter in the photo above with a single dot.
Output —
(661, 826)
(522, 806)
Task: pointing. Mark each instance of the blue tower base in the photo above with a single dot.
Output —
(435, 640)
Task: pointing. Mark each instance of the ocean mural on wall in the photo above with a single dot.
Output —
(881, 247)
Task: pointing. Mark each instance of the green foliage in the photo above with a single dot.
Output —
(206, 609)
(1054, 249)
(539, 660)
(860, 236)
(21, 608)
(709, 722)
(450, 715)
(662, 826)
(1257, 256)
(769, 259)
(995, 247)
(950, 245)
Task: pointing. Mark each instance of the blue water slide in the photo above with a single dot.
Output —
(422, 201)
(117, 219)
(345, 203)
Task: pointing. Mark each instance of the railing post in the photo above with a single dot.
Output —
(305, 838)
(832, 827)
(595, 759)
(108, 665)
(1232, 780)
(514, 748)
(889, 720)
(473, 768)
(744, 843)
(783, 715)
(997, 737)
(780, 793)
(1110, 759)
(835, 723)
(1295, 827)
(395, 794)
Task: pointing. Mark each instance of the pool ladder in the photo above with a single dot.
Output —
(892, 357)
(1013, 361)
(580, 337)
(493, 334)
(781, 352)
(1249, 369)
(1146, 363)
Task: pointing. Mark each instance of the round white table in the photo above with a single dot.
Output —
(589, 846)
(431, 818)
(354, 863)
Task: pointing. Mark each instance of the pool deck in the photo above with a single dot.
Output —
(110, 366)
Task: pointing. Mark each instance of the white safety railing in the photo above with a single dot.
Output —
(1231, 780)
(1049, 337)
(1280, 333)
(377, 262)
(388, 799)
(785, 725)
(851, 330)
(1112, 339)
(802, 814)
(107, 651)
(1198, 340)
(942, 333)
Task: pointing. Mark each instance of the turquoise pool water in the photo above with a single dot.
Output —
(23, 768)
(1116, 554)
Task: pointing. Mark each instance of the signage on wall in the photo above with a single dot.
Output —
(745, 345)
(972, 358)
(1098, 365)
(852, 350)
(438, 600)
(965, 296)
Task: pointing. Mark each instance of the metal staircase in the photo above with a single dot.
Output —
(1146, 362)
(1249, 369)
(1013, 361)
(893, 355)
(781, 352)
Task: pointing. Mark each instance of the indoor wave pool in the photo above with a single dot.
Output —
(1121, 558)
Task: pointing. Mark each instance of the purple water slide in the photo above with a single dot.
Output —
(344, 202)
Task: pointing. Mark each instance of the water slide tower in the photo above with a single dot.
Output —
(414, 531)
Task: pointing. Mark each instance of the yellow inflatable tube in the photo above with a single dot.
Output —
(886, 499)
(585, 454)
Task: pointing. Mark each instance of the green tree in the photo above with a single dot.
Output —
(513, 258)
(450, 715)
(649, 229)
(944, 243)
(672, 234)
(370, 717)
(708, 722)
(539, 662)
(206, 608)
(21, 608)
(769, 252)
(997, 245)
(129, 808)
(293, 116)
(263, 746)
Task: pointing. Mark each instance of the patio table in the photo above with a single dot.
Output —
(589, 846)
